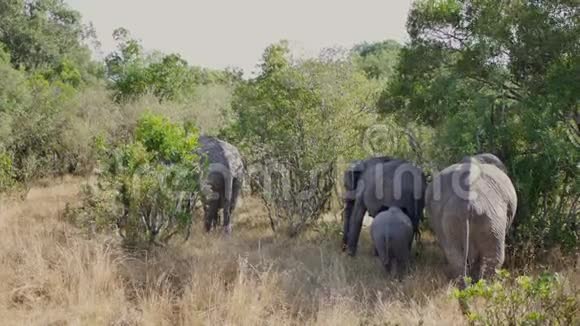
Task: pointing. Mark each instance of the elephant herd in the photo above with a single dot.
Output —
(470, 205)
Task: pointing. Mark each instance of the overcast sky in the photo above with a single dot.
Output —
(220, 33)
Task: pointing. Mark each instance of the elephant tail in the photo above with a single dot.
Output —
(466, 246)
(386, 248)
(382, 247)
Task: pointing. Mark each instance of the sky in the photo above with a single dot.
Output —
(234, 33)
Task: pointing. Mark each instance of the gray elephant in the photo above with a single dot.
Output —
(394, 183)
(392, 235)
(222, 181)
(350, 179)
(485, 158)
(471, 206)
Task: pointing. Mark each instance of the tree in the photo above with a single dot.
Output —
(295, 121)
(32, 124)
(501, 77)
(377, 60)
(133, 72)
(47, 36)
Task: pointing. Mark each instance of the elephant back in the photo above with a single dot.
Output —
(396, 183)
(216, 151)
(471, 186)
(356, 168)
(485, 158)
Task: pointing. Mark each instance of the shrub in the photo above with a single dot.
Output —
(98, 211)
(524, 300)
(295, 122)
(154, 181)
(6, 172)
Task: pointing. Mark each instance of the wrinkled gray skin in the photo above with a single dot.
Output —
(392, 235)
(222, 182)
(350, 179)
(486, 158)
(393, 183)
(471, 206)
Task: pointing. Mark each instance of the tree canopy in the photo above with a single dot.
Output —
(502, 77)
(47, 36)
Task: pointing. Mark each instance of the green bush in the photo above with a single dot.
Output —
(524, 300)
(157, 179)
(165, 141)
(6, 172)
(153, 183)
(295, 122)
(98, 212)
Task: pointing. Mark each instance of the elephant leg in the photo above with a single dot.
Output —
(236, 190)
(227, 211)
(393, 268)
(211, 213)
(356, 221)
(405, 259)
(404, 267)
(348, 208)
(402, 253)
(455, 257)
(476, 270)
(230, 206)
(382, 251)
(493, 258)
(218, 217)
(227, 216)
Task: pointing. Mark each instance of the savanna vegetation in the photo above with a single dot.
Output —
(100, 219)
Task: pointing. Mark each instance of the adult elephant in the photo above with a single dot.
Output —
(486, 158)
(395, 183)
(222, 181)
(350, 181)
(471, 206)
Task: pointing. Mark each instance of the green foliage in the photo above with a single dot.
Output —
(51, 112)
(482, 75)
(524, 300)
(6, 173)
(134, 73)
(165, 141)
(377, 60)
(32, 124)
(47, 35)
(97, 212)
(155, 179)
(43, 63)
(295, 121)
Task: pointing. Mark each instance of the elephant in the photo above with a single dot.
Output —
(392, 235)
(486, 158)
(350, 181)
(471, 206)
(393, 183)
(222, 181)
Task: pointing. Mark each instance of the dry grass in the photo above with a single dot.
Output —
(52, 275)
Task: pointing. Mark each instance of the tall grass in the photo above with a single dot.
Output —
(53, 274)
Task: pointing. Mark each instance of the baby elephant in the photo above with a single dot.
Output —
(392, 235)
